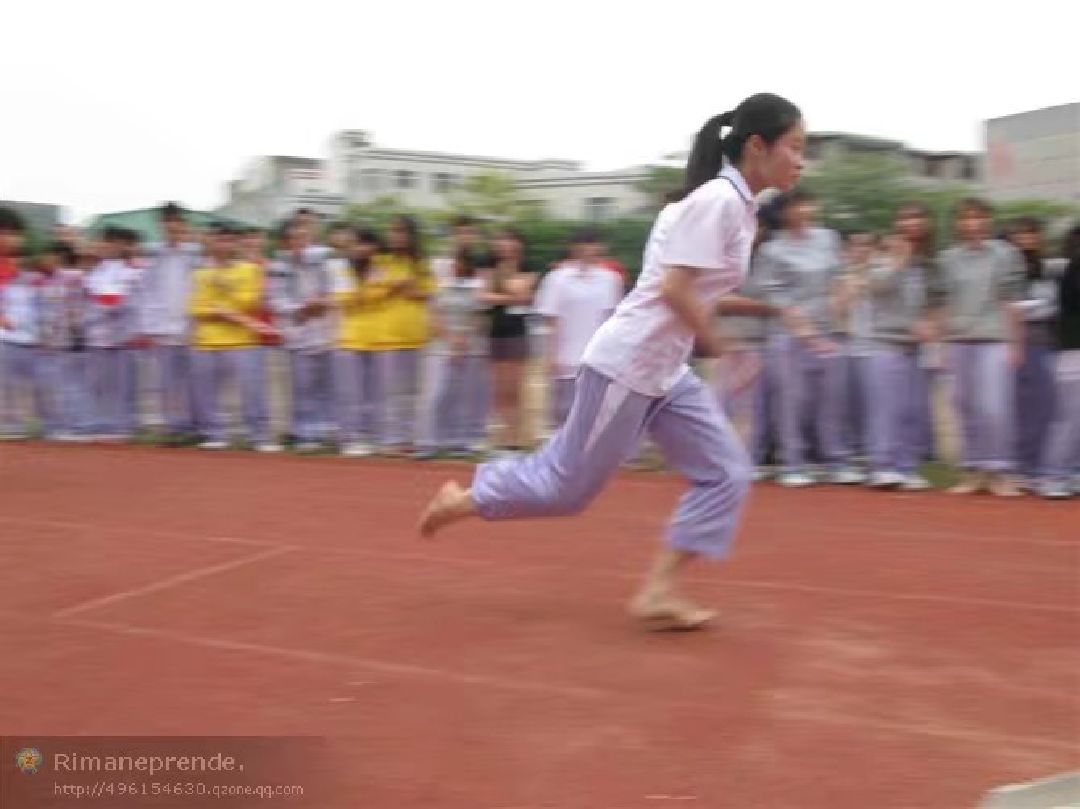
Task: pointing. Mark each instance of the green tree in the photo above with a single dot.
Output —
(488, 195)
(859, 191)
(658, 183)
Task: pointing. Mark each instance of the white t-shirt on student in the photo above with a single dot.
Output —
(580, 299)
(644, 345)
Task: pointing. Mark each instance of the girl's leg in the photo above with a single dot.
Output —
(791, 365)
(698, 442)
(303, 391)
(508, 376)
(605, 423)
(479, 401)
(1035, 401)
(963, 365)
(1062, 454)
(209, 379)
(251, 372)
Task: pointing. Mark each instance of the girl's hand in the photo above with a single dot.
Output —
(899, 251)
(741, 370)
(1016, 354)
(822, 346)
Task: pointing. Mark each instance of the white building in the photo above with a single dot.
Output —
(272, 187)
(1035, 155)
(922, 167)
(361, 172)
(357, 171)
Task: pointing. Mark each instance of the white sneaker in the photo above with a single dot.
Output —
(884, 480)
(268, 447)
(214, 445)
(760, 473)
(795, 480)
(846, 476)
(357, 449)
(914, 483)
(1055, 490)
(308, 446)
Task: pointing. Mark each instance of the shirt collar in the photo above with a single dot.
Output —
(734, 176)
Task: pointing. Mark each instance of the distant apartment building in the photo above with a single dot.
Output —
(272, 187)
(1034, 155)
(922, 167)
(358, 171)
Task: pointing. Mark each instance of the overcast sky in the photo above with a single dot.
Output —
(115, 104)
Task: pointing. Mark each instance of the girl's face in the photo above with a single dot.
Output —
(507, 247)
(912, 224)
(364, 249)
(341, 239)
(397, 237)
(973, 224)
(1028, 240)
(781, 163)
(860, 248)
(10, 242)
(800, 215)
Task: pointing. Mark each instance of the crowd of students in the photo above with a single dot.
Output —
(889, 320)
(391, 352)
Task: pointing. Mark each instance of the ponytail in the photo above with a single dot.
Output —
(707, 157)
(766, 115)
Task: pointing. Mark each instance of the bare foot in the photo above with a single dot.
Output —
(1002, 486)
(661, 613)
(450, 504)
(971, 483)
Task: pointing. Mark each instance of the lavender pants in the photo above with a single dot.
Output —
(898, 393)
(859, 403)
(360, 399)
(560, 400)
(215, 371)
(112, 386)
(21, 378)
(400, 372)
(1062, 456)
(810, 388)
(983, 386)
(455, 415)
(1035, 400)
(750, 405)
(173, 389)
(312, 394)
(605, 424)
(64, 376)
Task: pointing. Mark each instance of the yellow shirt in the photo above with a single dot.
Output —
(237, 288)
(376, 316)
(361, 309)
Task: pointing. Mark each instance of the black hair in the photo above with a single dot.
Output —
(11, 221)
(172, 212)
(305, 212)
(1033, 259)
(63, 250)
(977, 203)
(333, 227)
(410, 225)
(361, 265)
(1071, 246)
(586, 235)
(924, 250)
(462, 221)
(112, 233)
(766, 115)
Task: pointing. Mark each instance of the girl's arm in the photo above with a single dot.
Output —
(677, 291)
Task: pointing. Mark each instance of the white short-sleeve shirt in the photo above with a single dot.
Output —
(644, 345)
(580, 299)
